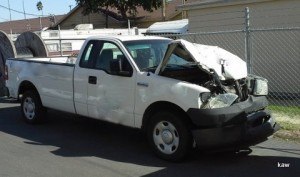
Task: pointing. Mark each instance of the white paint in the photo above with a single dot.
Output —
(53, 82)
(183, 94)
(115, 98)
(210, 57)
(112, 98)
(176, 26)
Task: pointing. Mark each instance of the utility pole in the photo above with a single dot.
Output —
(183, 11)
(129, 28)
(9, 18)
(248, 41)
(41, 26)
(163, 10)
(70, 7)
(24, 10)
(27, 25)
(9, 10)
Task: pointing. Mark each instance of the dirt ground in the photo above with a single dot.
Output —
(290, 126)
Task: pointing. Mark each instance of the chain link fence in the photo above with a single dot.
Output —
(275, 55)
(272, 52)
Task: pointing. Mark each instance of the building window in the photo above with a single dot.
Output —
(52, 47)
(55, 34)
(66, 46)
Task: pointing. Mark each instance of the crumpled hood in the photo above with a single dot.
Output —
(225, 64)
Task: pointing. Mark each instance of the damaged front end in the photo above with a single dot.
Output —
(234, 112)
(225, 93)
(235, 116)
(241, 124)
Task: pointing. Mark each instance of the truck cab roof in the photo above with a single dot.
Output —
(127, 37)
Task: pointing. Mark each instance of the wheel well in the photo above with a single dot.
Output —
(162, 105)
(26, 85)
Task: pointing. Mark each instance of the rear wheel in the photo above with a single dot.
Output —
(31, 107)
(169, 136)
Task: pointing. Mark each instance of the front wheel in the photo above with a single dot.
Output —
(31, 107)
(169, 136)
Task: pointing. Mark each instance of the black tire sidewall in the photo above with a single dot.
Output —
(39, 110)
(185, 137)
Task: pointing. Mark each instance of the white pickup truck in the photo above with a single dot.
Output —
(182, 94)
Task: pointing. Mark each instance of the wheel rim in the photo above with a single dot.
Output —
(166, 137)
(29, 108)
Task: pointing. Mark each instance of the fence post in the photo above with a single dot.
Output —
(247, 41)
(59, 40)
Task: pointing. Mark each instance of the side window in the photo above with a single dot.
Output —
(90, 52)
(108, 54)
(143, 55)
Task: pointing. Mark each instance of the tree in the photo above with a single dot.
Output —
(39, 6)
(126, 8)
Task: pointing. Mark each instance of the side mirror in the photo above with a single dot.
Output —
(116, 68)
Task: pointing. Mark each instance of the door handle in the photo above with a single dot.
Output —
(143, 84)
(92, 80)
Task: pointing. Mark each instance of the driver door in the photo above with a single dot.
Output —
(110, 96)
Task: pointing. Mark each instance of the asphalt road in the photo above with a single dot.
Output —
(70, 146)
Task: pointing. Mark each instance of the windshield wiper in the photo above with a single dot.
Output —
(191, 64)
(149, 68)
(180, 66)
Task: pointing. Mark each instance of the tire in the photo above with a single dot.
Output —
(169, 136)
(32, 108)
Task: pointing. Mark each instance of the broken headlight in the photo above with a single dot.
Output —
(257, 85)
(260, 87)
(205, 96)
(220, 101)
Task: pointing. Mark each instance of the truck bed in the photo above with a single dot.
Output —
(53, 75)
(69, 61)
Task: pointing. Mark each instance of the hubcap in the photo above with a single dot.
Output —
(29, 108)
(166, 137)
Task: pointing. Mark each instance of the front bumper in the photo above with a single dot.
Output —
(240, 125)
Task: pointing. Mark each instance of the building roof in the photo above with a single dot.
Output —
(201, 4)
(176, 26)
(33, 24)
(142, 15)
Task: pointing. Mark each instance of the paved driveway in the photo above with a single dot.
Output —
(66, 145)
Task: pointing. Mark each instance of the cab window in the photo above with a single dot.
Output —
(101, 55)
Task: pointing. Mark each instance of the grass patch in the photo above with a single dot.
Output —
(290, 111)
(289, 119)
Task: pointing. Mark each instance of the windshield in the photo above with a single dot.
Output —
(147, 54)
(180, 58)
